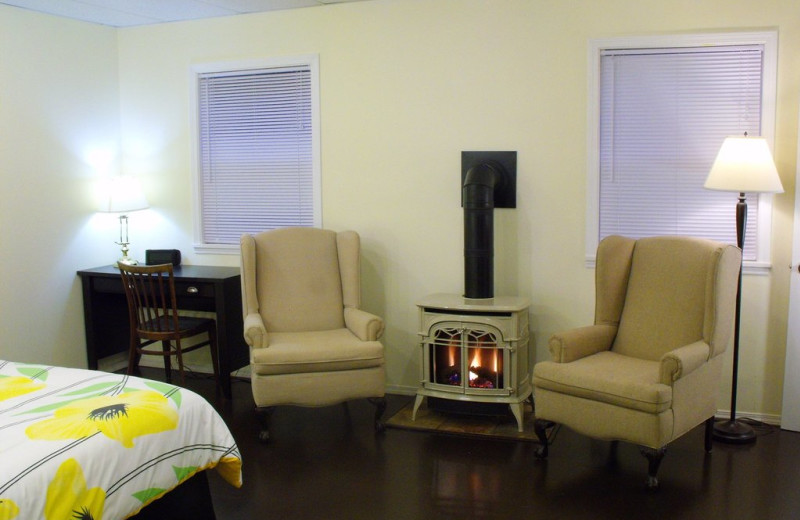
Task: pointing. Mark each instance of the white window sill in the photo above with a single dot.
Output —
(216, 249)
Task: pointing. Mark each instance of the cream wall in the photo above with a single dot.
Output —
(406, 85)
(59, 106)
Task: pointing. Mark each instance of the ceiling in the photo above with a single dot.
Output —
(129, 13)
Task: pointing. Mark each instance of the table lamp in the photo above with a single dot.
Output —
(122, 195)
(743, 165)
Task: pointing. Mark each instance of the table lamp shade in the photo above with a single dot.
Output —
(745, 165)
(122, 194)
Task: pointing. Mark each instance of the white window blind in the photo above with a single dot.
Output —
(663, 115)
(256, 152)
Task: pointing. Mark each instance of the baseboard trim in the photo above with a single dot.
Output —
(119, 361)
(113, 363)
(766, 418)
(401, 390)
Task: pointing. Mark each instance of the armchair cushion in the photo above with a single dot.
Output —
(610, 378)
(316, 351)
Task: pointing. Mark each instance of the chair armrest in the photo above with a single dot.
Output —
(682, 361)
(255, 334)
(574, 344)
(366, 326)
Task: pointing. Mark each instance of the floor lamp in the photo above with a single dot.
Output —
(123, 194)
(743, 165)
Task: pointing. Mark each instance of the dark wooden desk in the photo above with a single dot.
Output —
(198, 288)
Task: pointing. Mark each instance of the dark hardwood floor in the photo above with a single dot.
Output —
(326, 463)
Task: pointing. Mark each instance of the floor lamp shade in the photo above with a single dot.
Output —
(743, 165)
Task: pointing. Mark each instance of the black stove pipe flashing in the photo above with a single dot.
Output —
(478, 195)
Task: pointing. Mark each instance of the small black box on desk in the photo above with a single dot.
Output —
(162, 256)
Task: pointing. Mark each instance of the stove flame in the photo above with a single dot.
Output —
(479, 367)
(477, 358)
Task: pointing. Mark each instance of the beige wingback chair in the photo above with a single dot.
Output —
(648, 370)
(310, 343)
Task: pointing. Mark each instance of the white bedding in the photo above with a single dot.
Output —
(87, 444)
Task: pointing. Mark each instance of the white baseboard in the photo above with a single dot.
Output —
(120, 361)
(766, 418)
(771, 419)
(401, 389)
(113, 363)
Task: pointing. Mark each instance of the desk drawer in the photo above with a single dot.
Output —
(182, 289)
(194, 289)
(107, 285)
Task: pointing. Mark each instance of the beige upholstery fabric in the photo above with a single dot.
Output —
(316, 351)
(310, 343)
(648, 370)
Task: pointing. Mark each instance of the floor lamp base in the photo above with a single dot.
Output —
(733, 432)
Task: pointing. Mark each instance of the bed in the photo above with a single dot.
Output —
(87, 444)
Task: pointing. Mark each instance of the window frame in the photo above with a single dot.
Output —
(305, 60)
(769, 39)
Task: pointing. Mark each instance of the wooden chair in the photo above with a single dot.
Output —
(153, 315)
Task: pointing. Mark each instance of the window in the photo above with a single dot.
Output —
(660, 109)
(257, 149)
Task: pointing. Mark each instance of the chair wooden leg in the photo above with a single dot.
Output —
(380, 408)
(165, 347)
(264, 413)
(540, 427)
(212, 346)
(133, 356)
(709, 440)
(654, 457)
(179, 356)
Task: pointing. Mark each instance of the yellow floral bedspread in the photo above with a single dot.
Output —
(86, 444)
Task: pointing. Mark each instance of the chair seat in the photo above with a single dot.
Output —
(186, 325)
(608, 377)
(318, 351)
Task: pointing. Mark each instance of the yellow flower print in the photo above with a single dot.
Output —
(8, 509)
(68, 497)
(13, 386)
(122, 418)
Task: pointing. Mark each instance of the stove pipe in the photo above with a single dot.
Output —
(478, 197)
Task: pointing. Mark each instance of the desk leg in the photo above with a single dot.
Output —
(88, 323)
(233, 351)
(223, 355)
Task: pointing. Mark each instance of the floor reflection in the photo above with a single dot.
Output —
(463, 486)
